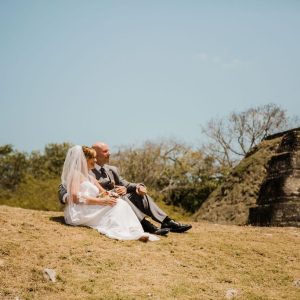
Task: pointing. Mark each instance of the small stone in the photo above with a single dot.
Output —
(231, 294)
(149, 295)
(49, 274)
(297, 283)
(179, 263)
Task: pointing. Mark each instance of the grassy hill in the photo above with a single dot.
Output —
(33, 193)
(230, 202)
(260, 263)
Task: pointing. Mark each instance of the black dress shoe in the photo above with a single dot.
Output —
(151, 228)
(175, 226)
(161, 231)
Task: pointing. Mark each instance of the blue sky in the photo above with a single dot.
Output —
(129, 71)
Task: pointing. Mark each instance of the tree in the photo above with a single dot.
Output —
(150, 163)
(13, 166)
(193, 179)
(232, 137)
(48, 164)
(174, 172)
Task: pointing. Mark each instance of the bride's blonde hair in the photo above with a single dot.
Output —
(89, 152)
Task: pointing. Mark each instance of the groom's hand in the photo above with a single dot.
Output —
(120, 190)
(141, 190)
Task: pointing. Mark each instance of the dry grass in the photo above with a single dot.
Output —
(261, 263)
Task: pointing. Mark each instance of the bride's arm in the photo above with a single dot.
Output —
(106, 200)
(99, 201)
(77, 197)
(86, 199)
(98, 185)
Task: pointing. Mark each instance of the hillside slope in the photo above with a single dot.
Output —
(260, 263)
(230, 202)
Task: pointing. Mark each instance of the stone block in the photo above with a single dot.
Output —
(275, 214)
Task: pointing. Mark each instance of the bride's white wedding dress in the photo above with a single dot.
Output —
(117, 222)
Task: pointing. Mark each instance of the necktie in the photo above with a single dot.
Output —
(103, 173)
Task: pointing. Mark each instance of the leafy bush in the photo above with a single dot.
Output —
(13, 166)
(48, 164)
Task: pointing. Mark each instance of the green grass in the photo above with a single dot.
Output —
(33, 194)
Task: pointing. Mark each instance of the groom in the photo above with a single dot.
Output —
(133, 193)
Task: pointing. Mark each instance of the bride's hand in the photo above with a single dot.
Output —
(109, 201)
(112, 194)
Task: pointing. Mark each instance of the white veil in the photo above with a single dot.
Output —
(75, 171)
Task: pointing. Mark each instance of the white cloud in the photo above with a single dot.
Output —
(218, 60)
(202, 56)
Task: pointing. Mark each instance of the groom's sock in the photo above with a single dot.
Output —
(146, 224)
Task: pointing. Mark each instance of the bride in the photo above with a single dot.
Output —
(91, 205)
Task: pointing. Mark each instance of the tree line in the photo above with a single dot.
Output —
(173, 171)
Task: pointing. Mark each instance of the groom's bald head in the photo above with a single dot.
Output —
(103, 153)
(99, 145)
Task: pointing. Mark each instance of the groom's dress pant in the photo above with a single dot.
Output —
(144, 206)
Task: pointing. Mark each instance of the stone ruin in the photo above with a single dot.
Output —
(278, 203)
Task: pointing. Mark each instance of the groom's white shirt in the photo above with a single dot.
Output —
(97, 167)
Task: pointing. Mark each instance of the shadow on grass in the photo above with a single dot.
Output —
(59, 219)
